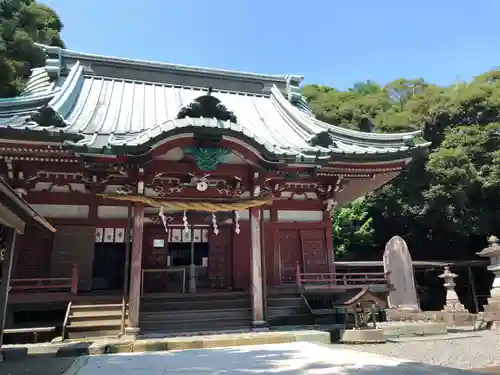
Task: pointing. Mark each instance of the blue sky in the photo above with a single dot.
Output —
(333, 42)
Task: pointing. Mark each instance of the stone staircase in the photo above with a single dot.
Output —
(285, 307)
(94, 319)
(195, 313)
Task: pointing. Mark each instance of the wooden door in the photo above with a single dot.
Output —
(219, 258)
(73, 244)
(155, 258)
(241, 258)
(290, 254)
(32, 254)
(314, 250)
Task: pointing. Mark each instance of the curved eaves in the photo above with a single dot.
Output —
(314, 126)
(146, 140)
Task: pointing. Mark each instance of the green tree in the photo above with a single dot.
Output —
(23, 22)
(443, 204)
(352, 228)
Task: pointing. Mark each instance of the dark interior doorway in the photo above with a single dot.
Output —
(108, 267)
(181, 253)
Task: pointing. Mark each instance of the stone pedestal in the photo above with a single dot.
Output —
(492, 309)
(452, 301)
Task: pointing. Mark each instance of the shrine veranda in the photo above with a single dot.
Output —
(192, 180)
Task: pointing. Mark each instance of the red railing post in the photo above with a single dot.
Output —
(74, 279)
(297, 275)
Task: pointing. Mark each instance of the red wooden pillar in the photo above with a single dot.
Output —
(136, 270)
(330, 256)
(256, 267)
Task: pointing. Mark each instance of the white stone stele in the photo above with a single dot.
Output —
(398, 265)
(493, 252)
(452, 303)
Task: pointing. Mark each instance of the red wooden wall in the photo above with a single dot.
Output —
(32, 255)
(154, 258)
(285, 244)
(241, 257)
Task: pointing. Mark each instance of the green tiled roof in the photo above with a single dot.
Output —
(113, 114)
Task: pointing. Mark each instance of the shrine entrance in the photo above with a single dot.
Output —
(187, 258)
(108, 266)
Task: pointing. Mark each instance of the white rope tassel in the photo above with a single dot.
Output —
(237, 222)
(186, 224)
(163, 219)
(214, 223)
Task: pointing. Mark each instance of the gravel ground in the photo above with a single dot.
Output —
(471, 350)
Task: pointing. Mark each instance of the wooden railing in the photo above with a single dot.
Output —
(66, 320)
(48, 284)
(341, 279)
(123, 316)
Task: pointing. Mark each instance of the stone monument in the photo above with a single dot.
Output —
(492, 309)
(452, 303)
(398, 265)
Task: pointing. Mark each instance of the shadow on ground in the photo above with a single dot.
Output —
(37, 365)
(283, 359)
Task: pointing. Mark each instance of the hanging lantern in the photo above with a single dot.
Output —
(214, 224)
(185, 221)
(236, 222)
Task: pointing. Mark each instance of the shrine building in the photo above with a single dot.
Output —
(184, 198)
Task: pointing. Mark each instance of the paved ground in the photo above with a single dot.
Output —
(36, 366)
(471, 350)
(280, 359)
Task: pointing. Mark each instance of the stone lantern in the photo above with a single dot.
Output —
(492, 310)
(452, 301)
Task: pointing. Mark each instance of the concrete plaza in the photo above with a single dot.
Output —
(282, 359)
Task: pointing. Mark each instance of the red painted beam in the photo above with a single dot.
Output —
(186, 167)
(299, 205)
(75, 198)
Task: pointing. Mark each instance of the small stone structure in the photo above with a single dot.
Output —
(398, 264)
(452, 304)
(492, 309)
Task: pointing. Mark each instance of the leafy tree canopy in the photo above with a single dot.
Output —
(352, 228)
(444, 204)
(23, 22)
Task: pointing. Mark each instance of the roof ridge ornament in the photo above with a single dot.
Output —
(53, 59)
(45, 117)
(207, 106)
(323, 139)
(294, 95)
